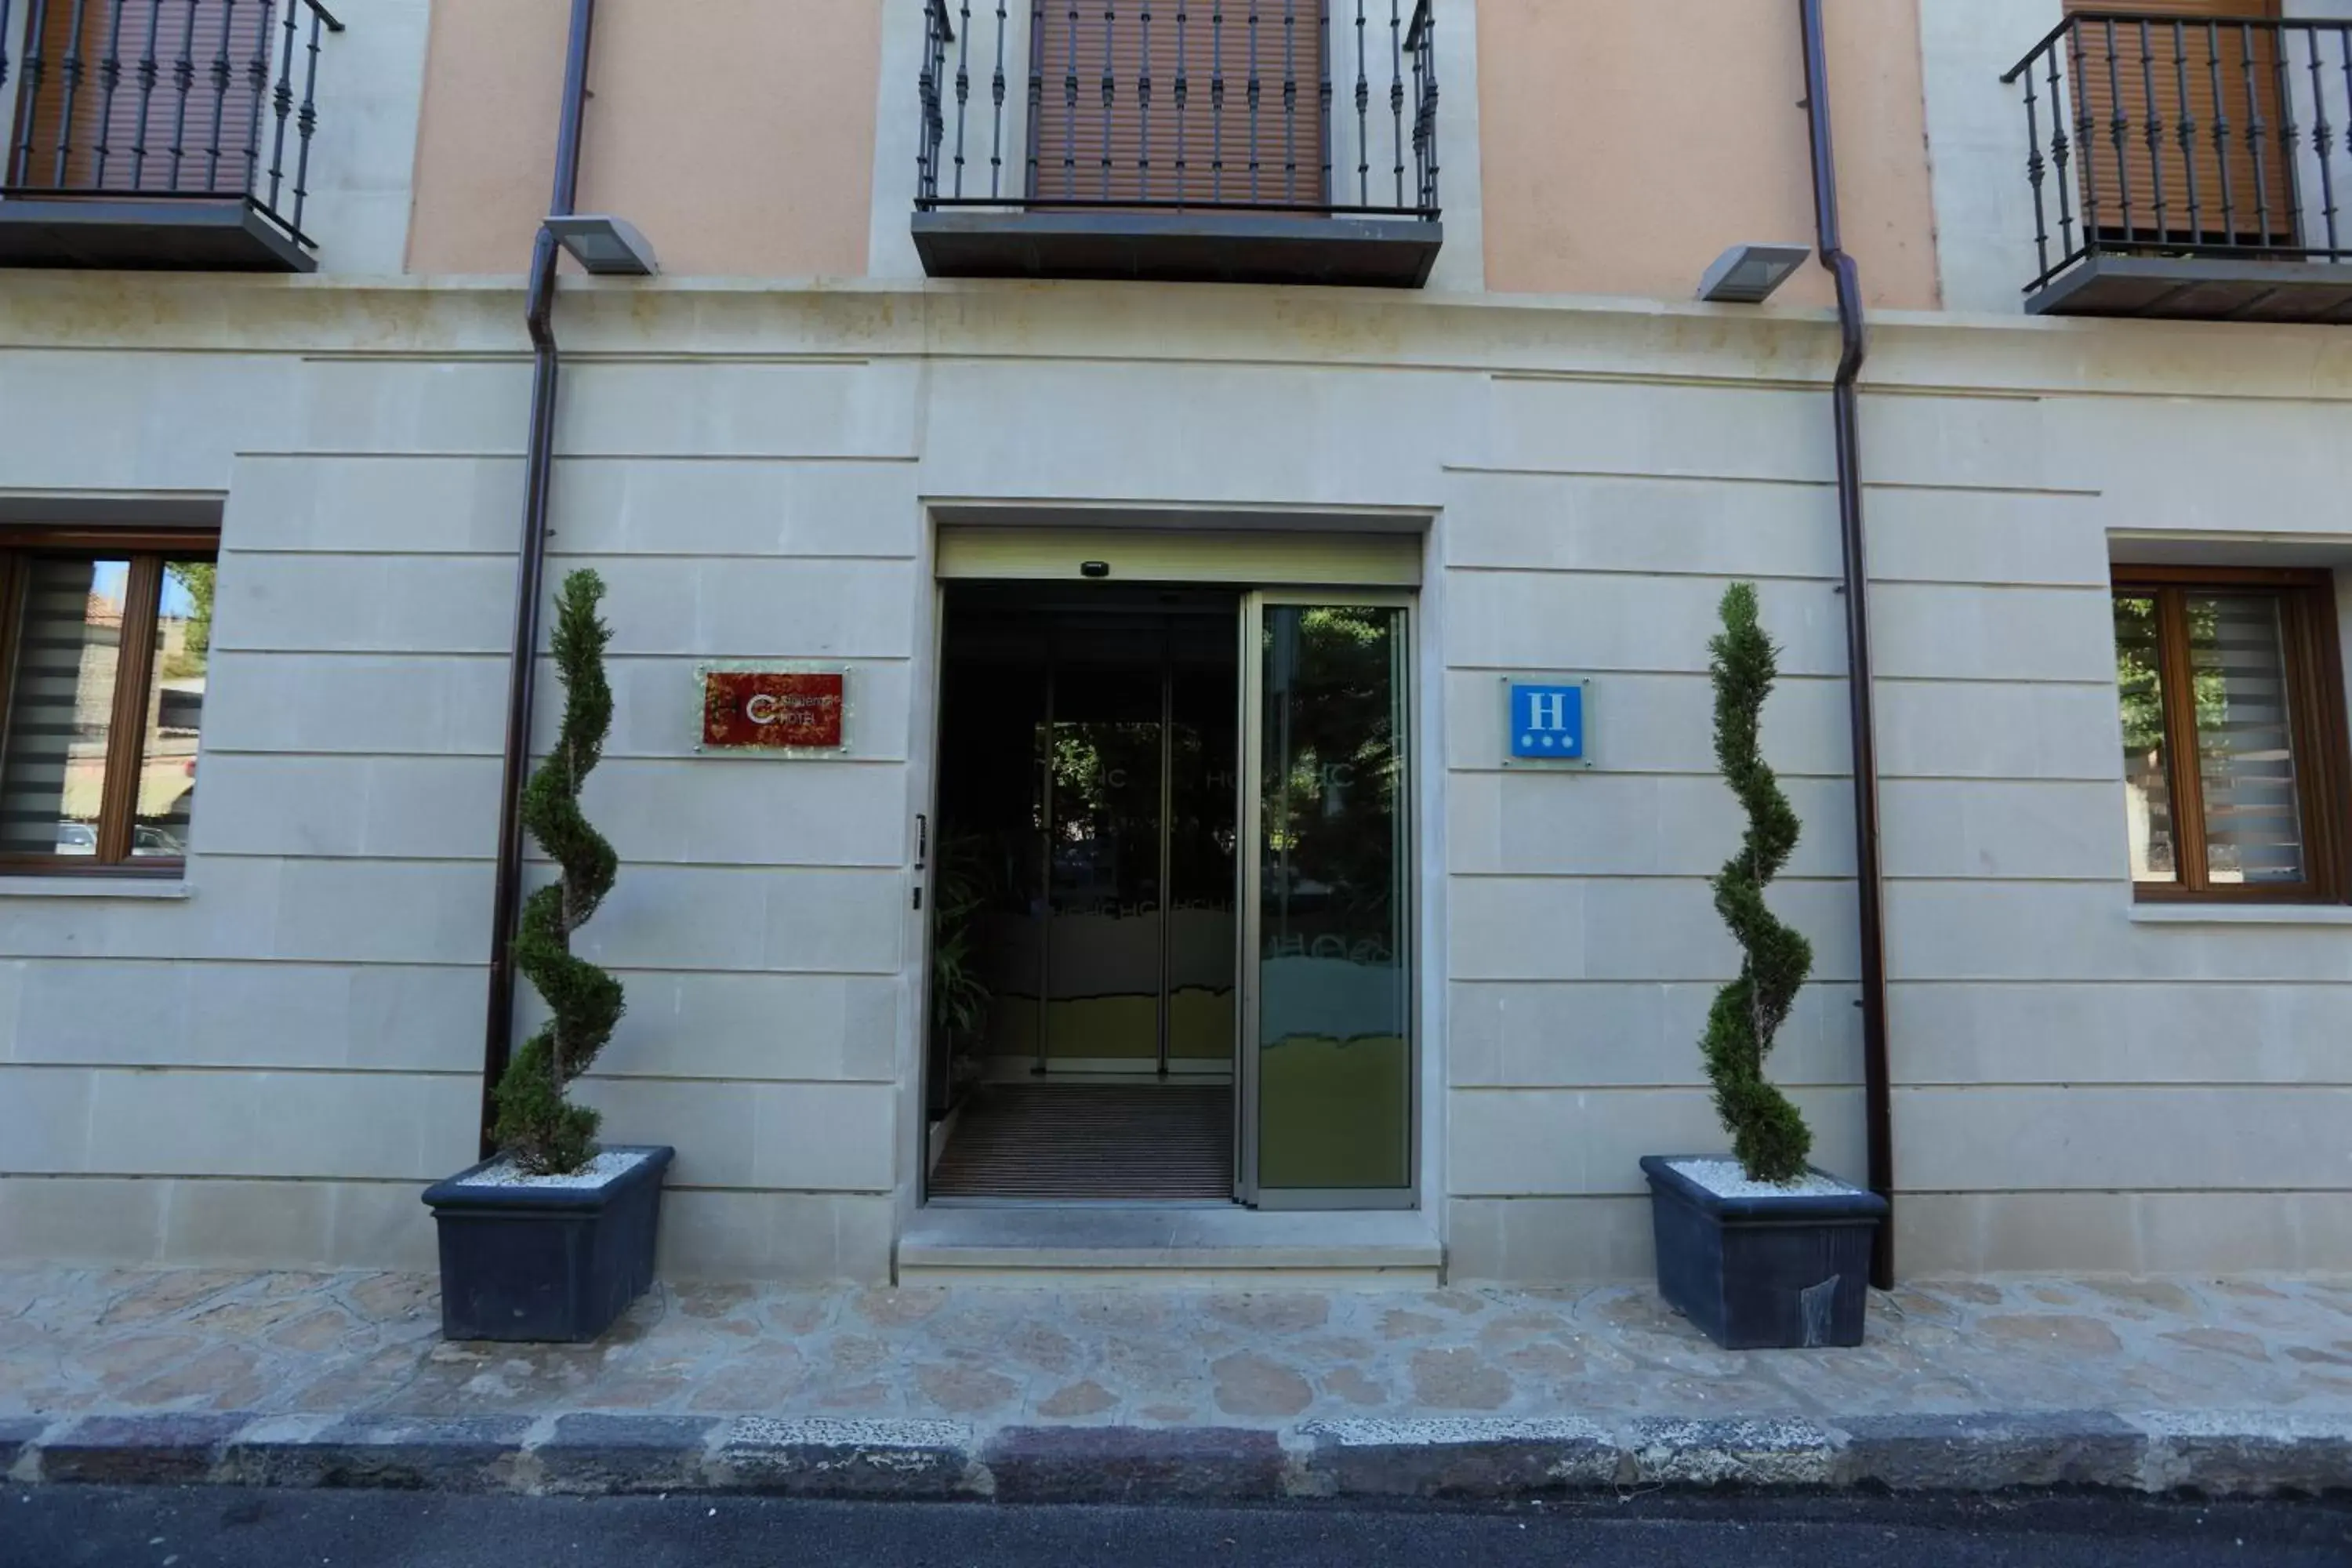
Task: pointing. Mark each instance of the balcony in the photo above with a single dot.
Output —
(1179, 141)
(162, 135)
(2187, 167)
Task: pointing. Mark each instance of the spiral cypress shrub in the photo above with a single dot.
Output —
(538, 1127)
(1768, 1133)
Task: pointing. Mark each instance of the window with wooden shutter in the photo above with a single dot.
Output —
(105, 648)
(2234, 755)
(96, 124)
(2206, 65)
(1252, 128)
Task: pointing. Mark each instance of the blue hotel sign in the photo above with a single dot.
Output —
(1548, 721)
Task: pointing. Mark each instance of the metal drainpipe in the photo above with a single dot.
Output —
(1875, 1076)
(530, 570)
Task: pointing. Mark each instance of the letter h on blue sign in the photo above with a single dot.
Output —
(1547, 721)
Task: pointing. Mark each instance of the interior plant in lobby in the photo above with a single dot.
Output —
(1761, 1250)
(554, 1238)
(960, 996)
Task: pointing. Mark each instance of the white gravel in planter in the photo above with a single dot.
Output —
(604, 1168)
(1725, 1179)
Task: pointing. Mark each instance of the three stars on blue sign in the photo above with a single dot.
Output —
(1547, 721)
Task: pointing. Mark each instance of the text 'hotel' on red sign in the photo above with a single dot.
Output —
(763, 710)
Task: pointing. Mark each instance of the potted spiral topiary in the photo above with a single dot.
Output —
(554, 1238)
(1759, 1249)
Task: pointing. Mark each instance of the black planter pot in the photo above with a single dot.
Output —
(1775, 1272)
(546, 1264)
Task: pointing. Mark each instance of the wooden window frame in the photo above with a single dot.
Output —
(2315, 719)
(147, 551)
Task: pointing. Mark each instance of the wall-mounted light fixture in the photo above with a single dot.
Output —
(606, 246)
(1748, 274)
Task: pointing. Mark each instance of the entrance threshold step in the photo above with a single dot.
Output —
(1224, 1245)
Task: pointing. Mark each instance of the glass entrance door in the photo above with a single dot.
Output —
(1327, 1109)
(1087, 804)
(1203, 751)
(1138, 798)
(1182, 823)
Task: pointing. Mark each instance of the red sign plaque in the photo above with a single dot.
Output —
(772, 710)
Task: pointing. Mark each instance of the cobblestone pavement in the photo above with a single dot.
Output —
(93, 1342)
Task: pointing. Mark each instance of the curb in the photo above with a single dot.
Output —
(2209, 1454)
(823, 1458)
(2093, 1448)
(463, 1454)
(1136, 1465)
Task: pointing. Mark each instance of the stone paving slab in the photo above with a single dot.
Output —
(2232, 1386)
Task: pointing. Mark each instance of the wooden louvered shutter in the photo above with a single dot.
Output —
(2244, 198)
(124, 141)
(1287, 143)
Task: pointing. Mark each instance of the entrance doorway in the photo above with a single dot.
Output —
(1171, 897)
(1087, 808)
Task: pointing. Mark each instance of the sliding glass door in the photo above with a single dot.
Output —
(1087, 819)
(1326, 1111)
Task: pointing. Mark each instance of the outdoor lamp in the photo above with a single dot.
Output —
(606, 246)
(1748, 274)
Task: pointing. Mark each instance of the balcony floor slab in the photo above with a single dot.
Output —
(2199, 288)
(1179, 248)
(131, 233)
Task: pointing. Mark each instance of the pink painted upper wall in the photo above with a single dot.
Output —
(738, 134)
(1626, 143)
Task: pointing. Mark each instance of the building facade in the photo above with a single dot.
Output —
(1180, 429)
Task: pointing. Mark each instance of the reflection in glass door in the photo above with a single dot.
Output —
(1101, 802)
(1327, 1109)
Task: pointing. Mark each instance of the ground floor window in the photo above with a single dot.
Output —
(2234, 725)
(105, 642)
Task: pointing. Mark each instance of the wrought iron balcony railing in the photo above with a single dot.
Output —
(1323, 110)
(2193, 161)
(125, 103)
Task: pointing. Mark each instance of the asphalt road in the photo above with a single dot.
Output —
(67, 1527)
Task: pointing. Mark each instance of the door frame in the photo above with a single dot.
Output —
(1249, 813)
